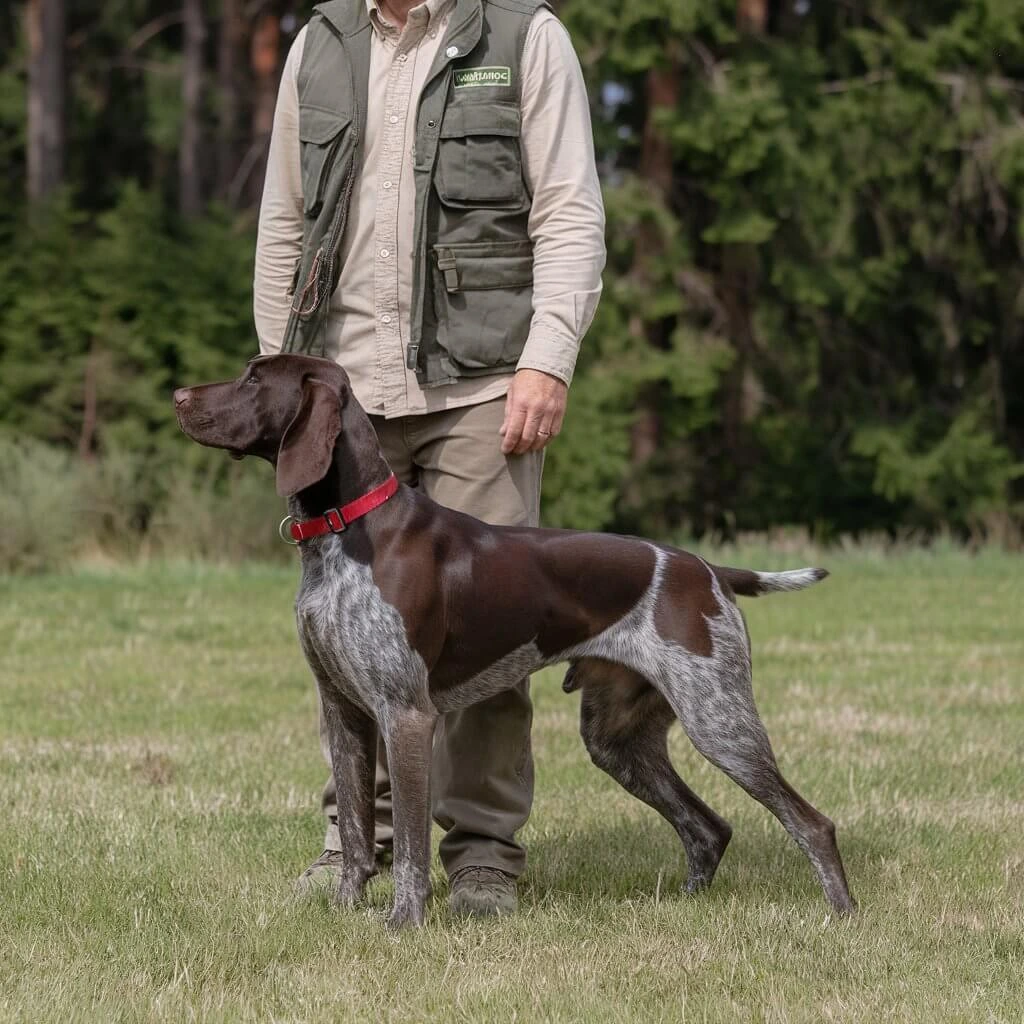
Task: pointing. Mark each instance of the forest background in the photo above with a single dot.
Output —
(812, 313)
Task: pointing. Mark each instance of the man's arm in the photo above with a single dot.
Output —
(567, 229)
(279, 242)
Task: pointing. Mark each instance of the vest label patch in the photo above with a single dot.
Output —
(467, 78)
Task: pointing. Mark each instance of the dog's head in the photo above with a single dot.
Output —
(286, 409)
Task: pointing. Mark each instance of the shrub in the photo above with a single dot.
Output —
(57, 508)
(41, 505)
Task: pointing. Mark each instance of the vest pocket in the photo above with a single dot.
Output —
(483, 299)
(321, 132)
(478, 157)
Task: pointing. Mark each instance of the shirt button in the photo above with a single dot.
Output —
(385, 253)
(403, 57)
(393, 119)
(387, 184)
(385, 319)
(431, 124)
(452, 51)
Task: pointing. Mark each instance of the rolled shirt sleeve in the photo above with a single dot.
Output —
(279, 241)
(566, 221)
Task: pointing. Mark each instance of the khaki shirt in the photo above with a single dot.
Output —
(368, 319)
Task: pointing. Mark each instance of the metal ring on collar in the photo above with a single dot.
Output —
(288, 539)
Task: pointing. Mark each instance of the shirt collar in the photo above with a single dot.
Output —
(433, 10)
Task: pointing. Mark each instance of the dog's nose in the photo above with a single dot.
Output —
(181, 396)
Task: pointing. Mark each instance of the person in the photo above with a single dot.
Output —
(432, 220)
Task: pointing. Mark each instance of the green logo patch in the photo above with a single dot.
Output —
(469, 78)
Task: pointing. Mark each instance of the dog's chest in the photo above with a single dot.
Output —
(351, 634)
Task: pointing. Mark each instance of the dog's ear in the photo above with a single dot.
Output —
(307, 447)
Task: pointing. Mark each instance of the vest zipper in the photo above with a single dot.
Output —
(312, 279)
(323, 263)
(341, 215)
(341, 211)
(322, 266)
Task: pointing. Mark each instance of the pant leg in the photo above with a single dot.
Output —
(483, 763)
(391, 435)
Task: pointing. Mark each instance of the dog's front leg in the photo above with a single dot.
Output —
(408, 737)
(352, 735)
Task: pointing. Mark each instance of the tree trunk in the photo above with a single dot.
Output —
(737, 292)
(229, 86)
(656, 153)
(662, 91)
(265, 56)
(46, 128)
(87, 435)
(738, 276)
(190, 188)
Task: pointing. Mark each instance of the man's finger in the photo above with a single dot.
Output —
(544, 434)
(529, 434)
(512, 429)
(508, 415)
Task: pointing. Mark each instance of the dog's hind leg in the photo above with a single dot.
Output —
(624, 722)
(714, 700)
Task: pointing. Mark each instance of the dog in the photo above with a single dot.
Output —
(408, 610)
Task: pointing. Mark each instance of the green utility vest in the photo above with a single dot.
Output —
(472, 291)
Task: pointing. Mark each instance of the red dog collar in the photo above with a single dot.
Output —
(336, 520)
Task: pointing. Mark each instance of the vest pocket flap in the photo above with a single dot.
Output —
(475, 266)
(478, 159)
(465, 119)
(321, 136)
(320, 126)
(483, 301)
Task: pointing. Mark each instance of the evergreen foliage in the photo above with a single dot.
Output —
(813, 300)
(824, 321)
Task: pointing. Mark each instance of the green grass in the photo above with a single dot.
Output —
(159, 775)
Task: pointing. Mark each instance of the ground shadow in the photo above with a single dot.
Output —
(631, 858)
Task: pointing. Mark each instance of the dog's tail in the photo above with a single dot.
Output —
(748, 583)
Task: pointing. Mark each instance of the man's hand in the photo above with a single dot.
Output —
(534, 410)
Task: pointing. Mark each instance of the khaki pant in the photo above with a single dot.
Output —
(482, 784)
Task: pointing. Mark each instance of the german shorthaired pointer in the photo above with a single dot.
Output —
(408, 610)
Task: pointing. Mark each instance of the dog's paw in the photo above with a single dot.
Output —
(402, 917)
(346, 896)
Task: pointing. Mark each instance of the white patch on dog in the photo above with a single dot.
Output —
(794, 579)
(712, 696)
(355, 635)
(501, 675)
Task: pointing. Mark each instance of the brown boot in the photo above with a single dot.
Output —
(323, 874)
(482, 892)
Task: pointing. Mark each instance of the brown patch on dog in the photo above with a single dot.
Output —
(686, 585)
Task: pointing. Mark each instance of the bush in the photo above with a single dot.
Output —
(57, 508)
(41, 505)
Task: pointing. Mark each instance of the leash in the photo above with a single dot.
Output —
(337, 520)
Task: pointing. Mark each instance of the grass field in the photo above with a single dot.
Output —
(159, 774)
